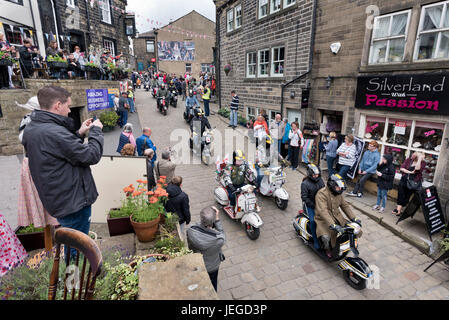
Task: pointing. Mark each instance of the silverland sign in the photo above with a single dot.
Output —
(425, 93)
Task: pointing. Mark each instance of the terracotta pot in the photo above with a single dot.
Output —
(146, 231)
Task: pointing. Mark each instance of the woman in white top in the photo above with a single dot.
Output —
(346, 152)
(296, 143)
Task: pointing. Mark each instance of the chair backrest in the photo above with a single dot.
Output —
(82, 243)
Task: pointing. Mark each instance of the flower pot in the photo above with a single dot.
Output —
(32, 241)
(119, 226)
(57, 65)
(91, 69)
(5, 62)
(146, 231)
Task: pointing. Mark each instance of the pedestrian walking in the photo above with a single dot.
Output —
(260, 130)
(178, 202)
(331, 152)
(123, 109)
(206, 99)
(234, 109)
(165, 167)
(296, 144)
(346, 156)
(132, 109)
(149, 153)
(367, 168)
(144, 142)
(277, 131)
(62, 174)
(285, 140)
(127, 138)
(208, 238)
(385, 178)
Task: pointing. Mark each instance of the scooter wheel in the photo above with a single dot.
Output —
(251, 232)
(281, 204)
(175, 104)
(354, 280)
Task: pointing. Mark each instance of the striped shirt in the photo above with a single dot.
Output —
(350, 159)
(235, 103)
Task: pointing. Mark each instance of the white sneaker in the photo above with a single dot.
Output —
(381, 210)
(352, 194)
(376, 207)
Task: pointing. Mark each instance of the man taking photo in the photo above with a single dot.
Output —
(60, 160)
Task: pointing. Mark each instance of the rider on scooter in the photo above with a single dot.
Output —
(200, 123)
(262, 160)
(191, 102)
(235, 175)
(328, 201)
(154, 82)
(309, 188)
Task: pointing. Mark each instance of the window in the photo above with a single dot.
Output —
(16, 1)
(71, 3)
(105, 11)
(188, 67)
(389, 37)
(264, 62)
(288, 3)
(206, 67)
(277, 66)
(433, 32)
(275, 6)
(238, 16)
(251, 113)
(263, 8)
(150, 46)
(110, 45)
(402, 137)
(251, 63)
(230, 19)
(14, 38)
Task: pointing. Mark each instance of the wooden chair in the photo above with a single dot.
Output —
(71, 238)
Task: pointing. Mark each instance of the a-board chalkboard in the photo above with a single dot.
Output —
(359, 145)
(428, 200)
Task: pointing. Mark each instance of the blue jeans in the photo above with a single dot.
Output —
(131, 104)
(234, 118)
(382, 197)
(311, 213)
(206, 107)
(79, 221)
(260, 176)
(343, 172)
(214, 278)
(330, 165)
(123, 118)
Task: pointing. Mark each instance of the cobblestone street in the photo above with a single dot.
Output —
(278, 265)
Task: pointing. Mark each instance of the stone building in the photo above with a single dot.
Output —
(267, 46)
(186, 45)
(145, 51)
(389, 79)
(100, 23)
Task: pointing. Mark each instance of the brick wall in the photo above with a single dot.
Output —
(290, 28)
(13, 115)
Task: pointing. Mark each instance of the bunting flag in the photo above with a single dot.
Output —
(46, 35)
(69, 37)
(21, 30)
(31, 33)
(12, 27)
(1, 24)
(62, 38)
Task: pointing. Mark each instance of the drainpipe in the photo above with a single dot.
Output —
(312, 45)
(56, 24)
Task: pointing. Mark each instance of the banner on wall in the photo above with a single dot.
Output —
(176, 51)
(97, 99)
(111, 94)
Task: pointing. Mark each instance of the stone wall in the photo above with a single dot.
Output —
(291, 28)
(12, 114)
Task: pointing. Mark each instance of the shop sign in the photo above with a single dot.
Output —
(426, 93)
(399, 127)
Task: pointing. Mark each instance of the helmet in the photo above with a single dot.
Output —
(163, 86)
(313, 170)
(191, 93)
(171, 81)
(239, 155)
(199, 112)
(336, 181)
(268, 139)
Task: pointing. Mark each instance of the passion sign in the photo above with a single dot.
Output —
(426, 93)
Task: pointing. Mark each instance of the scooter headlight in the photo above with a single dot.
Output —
(356, 228)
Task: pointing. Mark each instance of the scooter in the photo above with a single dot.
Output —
(355, 270)
(162, 105)
(173, 98)
(146, 85)
(246, 208)
(155, 91)
(272, 183)
(188, 114)
(206, 142)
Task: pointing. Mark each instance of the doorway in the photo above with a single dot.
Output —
(294, 115)
(330, 121)
(77, 39)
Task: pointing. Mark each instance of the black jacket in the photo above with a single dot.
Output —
(309, 190)
(178, 202)
(204, 123)
(26, 56)
(388, 171)
(59, 162)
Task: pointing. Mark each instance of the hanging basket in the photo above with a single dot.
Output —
(227, 69)
(5, 62)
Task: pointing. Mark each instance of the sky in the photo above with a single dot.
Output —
(161, 12)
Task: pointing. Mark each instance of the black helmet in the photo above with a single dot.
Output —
(336, 181)
(191, 93)
(198, 112)
(313, 170)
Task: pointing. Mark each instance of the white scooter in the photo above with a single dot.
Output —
(246, 207)
(206, 142)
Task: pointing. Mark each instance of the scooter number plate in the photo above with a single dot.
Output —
(208, 140)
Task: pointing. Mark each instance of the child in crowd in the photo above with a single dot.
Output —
(385, 177)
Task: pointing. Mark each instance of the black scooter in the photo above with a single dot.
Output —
(355, 270)
(162, 105)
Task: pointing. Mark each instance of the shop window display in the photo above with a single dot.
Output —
(398, 132)
(431, 165)
(428, 136)
(399, 156)
(375, 128)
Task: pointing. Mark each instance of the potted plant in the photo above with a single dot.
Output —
(6, 59)
(91, 67)
(56, 62)
(118, 222)
(227, 68)
(32, 238)
(147, 212)
(109, 120)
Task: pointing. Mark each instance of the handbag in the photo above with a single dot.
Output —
(412, 184)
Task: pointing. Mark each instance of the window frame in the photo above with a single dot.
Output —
(148, 42)
(259, 7)
(248, 75)
(105, 40)
(271, 6)
(389, 38)
(70, 4)
(437, 31)
(230, 24)
(259, 75)
(285, 5)
(190, 65)
(102, 5)
(19, 2)
(235, 17)
(272, 62)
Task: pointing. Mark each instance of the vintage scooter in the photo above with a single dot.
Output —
(273, 181)
(162, 105)
(155, 91)
(246, 208)
(355, 270)
(206, 144)
(173, 98)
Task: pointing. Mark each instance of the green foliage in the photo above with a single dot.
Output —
(170, 221)
(4, 55)
(91, 64)
(224, 112)
(170, 245)
(241, 120)
(120, 213)
(445, 242)
(29, 229)
(55, 59)
(109, 118)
